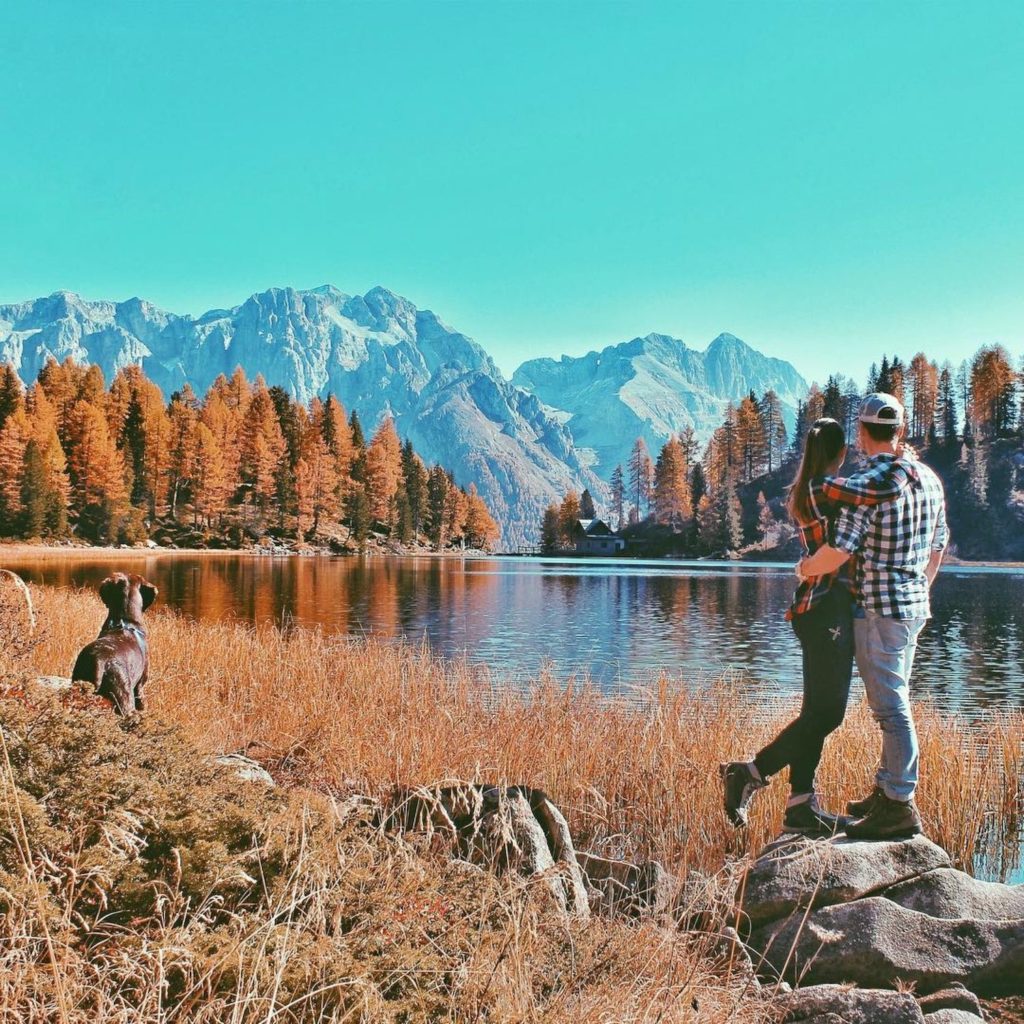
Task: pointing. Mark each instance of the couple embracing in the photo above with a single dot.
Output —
(873, 544)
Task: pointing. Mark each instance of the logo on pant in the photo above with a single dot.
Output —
(837, 632)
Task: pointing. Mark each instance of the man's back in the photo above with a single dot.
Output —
(894, 543)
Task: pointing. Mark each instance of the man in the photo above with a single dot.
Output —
(899, 547)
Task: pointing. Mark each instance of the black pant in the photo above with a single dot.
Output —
(826, 638)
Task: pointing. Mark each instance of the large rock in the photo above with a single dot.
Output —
(849, 1006)
(953, 1017)
(794, 873)
(55, 683)
(245, 768)
(877, 943)
(953, 894)
(512, 829)
(956, 997)
(632, 890)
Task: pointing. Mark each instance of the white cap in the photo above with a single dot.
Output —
(881, 408)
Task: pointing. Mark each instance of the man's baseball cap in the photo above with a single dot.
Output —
(881, 408)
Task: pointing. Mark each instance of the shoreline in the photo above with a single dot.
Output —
(21, 550)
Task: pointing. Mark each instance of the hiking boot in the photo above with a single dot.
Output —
(740, 785)
(888, 819)
(860, 808)
(808, 819)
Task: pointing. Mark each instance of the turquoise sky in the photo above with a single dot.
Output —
(825, 180)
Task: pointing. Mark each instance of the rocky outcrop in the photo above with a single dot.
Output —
(793, 874)
(621, 888)
(513, 829)
(839, 1004)
(880, 915)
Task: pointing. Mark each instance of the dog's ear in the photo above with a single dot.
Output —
(148, 592)
(112, 590)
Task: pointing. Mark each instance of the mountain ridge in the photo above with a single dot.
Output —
(651, 387)
(521, 444)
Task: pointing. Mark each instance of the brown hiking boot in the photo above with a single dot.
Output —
(888, 819)
(860, 808)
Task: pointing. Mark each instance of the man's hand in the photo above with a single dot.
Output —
(824, 561)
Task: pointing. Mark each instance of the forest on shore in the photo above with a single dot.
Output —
(727, 497)
(245, 464)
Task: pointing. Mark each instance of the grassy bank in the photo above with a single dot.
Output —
(339, 717)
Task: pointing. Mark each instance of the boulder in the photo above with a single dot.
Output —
(876, 942)
(956, 997)
(953, 1017)
(512, 829)
(951, 894)
(849, 1005)
(619, 887)
(795, 872)
(246, 768)
(55, 683)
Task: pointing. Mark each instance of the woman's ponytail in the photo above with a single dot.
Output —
(824, 441)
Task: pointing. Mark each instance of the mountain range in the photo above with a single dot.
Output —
(556, 425)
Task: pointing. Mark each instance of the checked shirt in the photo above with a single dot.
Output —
(830, 495)
(894, 542)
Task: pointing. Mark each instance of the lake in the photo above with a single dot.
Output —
(619, 622)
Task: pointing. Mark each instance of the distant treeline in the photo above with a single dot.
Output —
(243, 462)
(966, 421)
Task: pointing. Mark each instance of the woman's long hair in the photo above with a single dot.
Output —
(825, 440)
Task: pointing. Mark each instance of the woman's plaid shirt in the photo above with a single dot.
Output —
(894, 543)
(875, 485)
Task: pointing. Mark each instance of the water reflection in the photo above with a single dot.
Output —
(617, 621)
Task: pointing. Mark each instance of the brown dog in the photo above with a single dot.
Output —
(117, 661)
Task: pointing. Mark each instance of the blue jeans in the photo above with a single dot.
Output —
(885, 649)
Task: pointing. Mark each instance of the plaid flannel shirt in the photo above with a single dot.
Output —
(829, 495)
(894, 543)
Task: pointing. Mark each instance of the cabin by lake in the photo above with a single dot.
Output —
(596, 537)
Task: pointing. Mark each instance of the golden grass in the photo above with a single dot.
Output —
(635, 779)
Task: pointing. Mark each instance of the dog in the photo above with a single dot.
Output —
(116, 663)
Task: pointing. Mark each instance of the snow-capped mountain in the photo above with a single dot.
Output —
(652, 387)
(557, 425)
(377, 352)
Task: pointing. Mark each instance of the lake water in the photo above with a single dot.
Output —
(619, 622)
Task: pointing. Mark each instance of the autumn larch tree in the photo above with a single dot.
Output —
(672, 500)
(481, 529)
(262, 446)
(993, 392)
(569, 517)
(383, 470)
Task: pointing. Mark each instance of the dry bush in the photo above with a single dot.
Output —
(141, 883)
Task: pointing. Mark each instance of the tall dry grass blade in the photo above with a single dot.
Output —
(23, 589)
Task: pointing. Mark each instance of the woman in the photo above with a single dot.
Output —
(822, 617)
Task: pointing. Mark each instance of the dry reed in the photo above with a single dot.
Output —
(636, 779)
